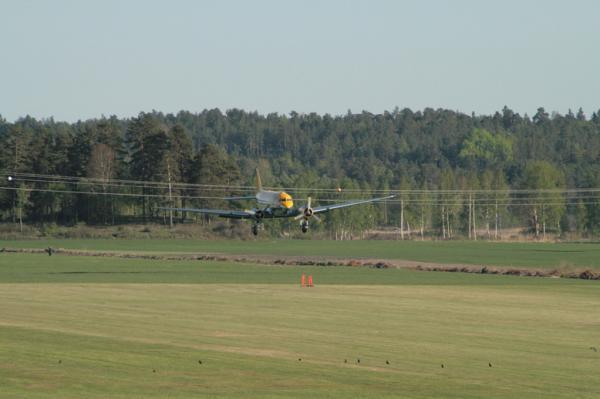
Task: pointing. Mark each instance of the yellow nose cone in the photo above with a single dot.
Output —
(286, 200)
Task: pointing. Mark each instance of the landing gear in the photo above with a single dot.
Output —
(304, 226)
(256, 222)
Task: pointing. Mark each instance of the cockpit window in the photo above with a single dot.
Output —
(286, 200)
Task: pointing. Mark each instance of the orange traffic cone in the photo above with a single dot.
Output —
(303, 280)
(310, 281)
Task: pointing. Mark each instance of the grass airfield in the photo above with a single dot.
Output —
(95, 327)
(529, 254)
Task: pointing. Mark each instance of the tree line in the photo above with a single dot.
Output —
(456, 175)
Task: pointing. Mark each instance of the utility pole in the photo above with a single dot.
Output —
(496, 224)
(402, 219)
(544, 221)
(535, 222)
(443, 224)
(470, 214)
(21, 212)
(15, 165)
(448, 227)
(474, 228)
(170, 195)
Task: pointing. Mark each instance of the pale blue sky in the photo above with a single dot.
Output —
(82, 59)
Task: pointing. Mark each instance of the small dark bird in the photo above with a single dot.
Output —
(490, 364)
(154, 370)
(299, 359)
(358, 361)
(442, 365)
(387, 362)
(594, 348)
(199, 361)
(60, 361)
(345, 360)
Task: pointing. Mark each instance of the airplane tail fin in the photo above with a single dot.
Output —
(258, 181)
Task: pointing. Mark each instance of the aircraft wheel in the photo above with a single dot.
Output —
(255, 229)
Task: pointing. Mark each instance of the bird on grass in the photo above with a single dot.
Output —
(345, 360)
(154, 370)
(60, 361)
(199, 361)
(490, 364)
(594, 348)
(387, 362)
(358, 361)
(442, 365)
(299, 359)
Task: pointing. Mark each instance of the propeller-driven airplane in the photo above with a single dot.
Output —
(276, 204)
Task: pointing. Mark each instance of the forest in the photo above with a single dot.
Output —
(455, 175)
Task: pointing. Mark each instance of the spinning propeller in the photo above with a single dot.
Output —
(306, 212)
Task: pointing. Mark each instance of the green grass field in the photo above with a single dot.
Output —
(549, 255)
(93, 327)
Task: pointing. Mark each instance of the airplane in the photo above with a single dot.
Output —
(275, 204)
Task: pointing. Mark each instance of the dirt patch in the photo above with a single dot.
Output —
(291, 260)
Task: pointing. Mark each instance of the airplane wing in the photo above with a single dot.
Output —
(247, 197)
(218, 212)
(327, 208)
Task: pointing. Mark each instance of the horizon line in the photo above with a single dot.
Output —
(395, 109)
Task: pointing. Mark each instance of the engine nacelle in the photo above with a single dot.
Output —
(308, 212)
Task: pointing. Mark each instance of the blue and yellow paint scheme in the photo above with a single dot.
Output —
(276, 204)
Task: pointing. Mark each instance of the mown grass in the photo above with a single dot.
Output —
(145, 340)
(40, 268)
(75, 327)
(550, 255)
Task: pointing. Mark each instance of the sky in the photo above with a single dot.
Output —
(80, 59)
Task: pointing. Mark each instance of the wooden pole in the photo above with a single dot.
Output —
(544, 221)
(443, 224)
(448, 227)
(496, 223)
(470, 215)
(536, 223)
(170, 195)
(21, 219)
(474, 226)
(402, 219)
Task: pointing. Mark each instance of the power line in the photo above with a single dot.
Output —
(45, 190)
(541, 202)
(58, 179)
(90, 180)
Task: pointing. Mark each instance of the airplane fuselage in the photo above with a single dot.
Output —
(275, 199)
